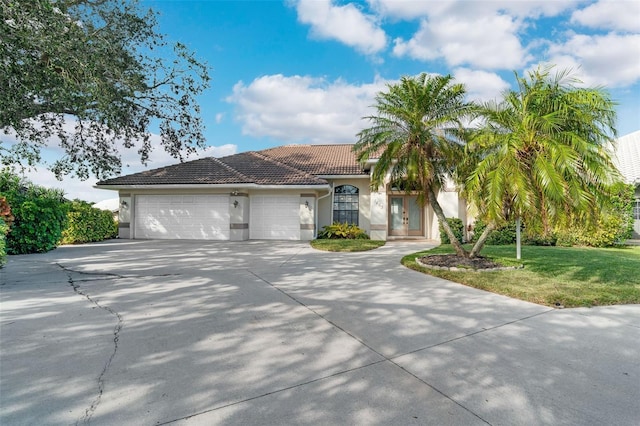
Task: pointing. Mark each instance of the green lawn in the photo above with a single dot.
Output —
(554, 275)
(346, 245)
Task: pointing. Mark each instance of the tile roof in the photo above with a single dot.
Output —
(268, 171)
(627, 157)
(285, 165)
(318, 159)
(203, 171)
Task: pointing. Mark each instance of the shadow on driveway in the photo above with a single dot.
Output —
(158, 332)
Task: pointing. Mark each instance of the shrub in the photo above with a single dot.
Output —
(40, 215)
(502, 236)
(3, 244)
(87, 224)
(613, 225)
(6, 219)
(338, 230)
(607, 232)
(456, 226)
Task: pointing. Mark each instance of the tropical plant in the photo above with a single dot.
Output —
(341, 230)
(417, 136)
(543, 154)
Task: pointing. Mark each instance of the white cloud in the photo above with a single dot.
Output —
(346, 24)
(619, 15)
(481, 85)
(489, 42)
(610, 60)
(408, 9)
(468, 9)
(303, 109)
(219, 117)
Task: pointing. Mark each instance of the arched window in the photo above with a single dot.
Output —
(346, 204)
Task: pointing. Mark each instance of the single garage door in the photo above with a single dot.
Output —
(274, 217)
(189, 217)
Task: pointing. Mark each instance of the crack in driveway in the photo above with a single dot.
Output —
(86, 419)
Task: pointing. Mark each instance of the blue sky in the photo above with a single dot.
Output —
(306, 71)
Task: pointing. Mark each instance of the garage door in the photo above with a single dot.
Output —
(274, 217)
(189, 217)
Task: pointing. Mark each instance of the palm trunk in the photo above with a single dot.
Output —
(481, 240)
(457, 246)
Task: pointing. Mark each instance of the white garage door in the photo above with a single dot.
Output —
(274, 217)
(189, 217)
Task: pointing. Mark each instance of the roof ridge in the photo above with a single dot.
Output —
(154, 169)
(309, 144)
(237, 172)
(280, 163)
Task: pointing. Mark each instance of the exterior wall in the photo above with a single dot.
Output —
(239, 216)
(307, 216)
(124, 215)
(316, 209)
(239, 209)
(325, 205)
(379, 217)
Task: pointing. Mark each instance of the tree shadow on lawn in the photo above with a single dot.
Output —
(613, 266)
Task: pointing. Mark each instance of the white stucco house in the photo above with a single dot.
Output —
(284, 193)
(627, 159)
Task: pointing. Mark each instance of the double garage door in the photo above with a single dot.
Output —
(189, 217)
(206, 217)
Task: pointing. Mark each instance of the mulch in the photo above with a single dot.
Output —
(455, 261)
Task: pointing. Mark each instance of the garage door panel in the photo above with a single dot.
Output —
(274, 217)
(182, 217)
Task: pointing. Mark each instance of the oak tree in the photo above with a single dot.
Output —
(96, 75)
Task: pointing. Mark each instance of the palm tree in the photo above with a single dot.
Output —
(417, 137)
(543, 153)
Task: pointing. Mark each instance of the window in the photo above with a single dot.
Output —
(636, 210)
(345, 204)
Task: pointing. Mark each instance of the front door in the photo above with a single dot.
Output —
(405, 216)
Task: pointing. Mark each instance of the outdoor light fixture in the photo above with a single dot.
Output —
(123, 204)
(235, 204)
(306, 203)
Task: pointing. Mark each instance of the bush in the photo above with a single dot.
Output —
(606, 233)
(613, 225)
(6, 219)
(40, 215)
(498, 237)
(338, 230)
(87, 224)
(3, 242)
(456, 226)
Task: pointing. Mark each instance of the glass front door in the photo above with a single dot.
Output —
(405, 216)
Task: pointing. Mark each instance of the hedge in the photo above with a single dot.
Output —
(87, 224)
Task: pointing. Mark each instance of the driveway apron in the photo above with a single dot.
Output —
(264, 332)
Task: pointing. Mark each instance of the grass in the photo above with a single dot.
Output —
(568, 276)
(346, 245)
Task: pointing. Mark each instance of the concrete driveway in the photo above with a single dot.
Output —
(273, 333)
